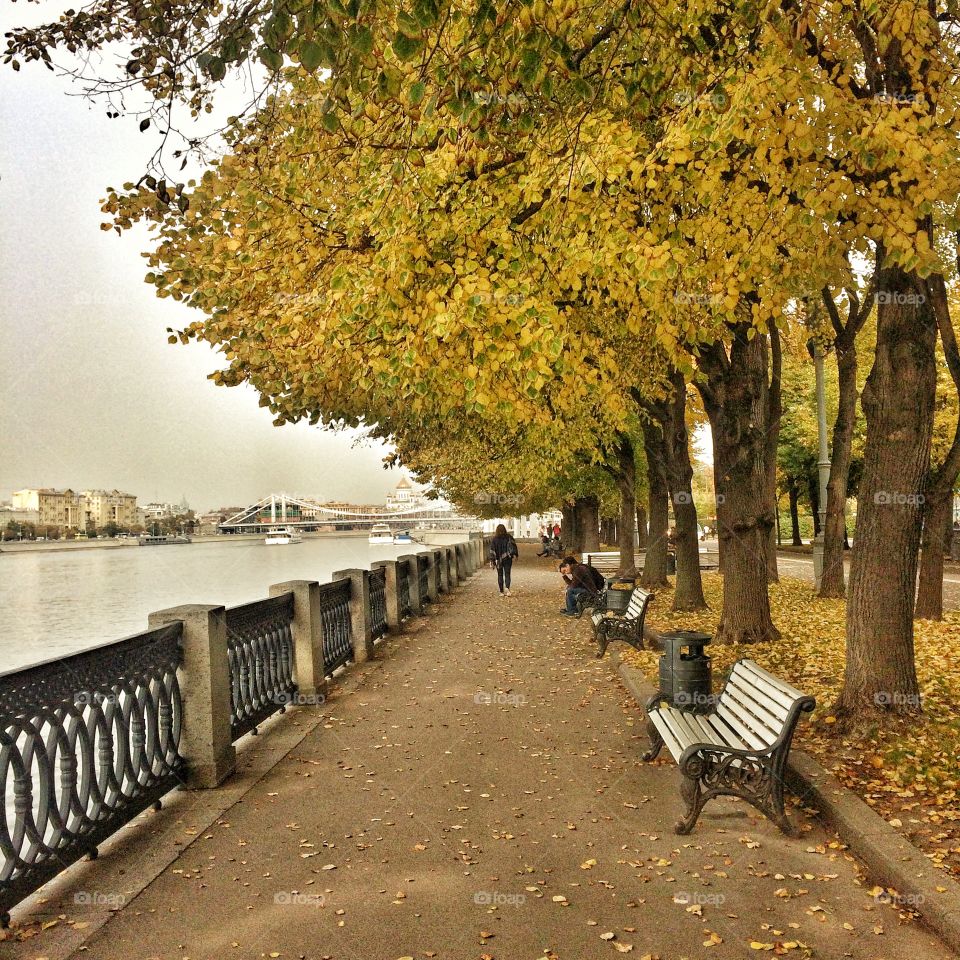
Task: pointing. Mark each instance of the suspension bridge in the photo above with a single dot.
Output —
(282, 510)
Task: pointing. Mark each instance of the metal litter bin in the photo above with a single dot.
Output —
(685, 669)
(618, 594)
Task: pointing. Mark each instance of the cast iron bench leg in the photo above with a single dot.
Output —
(694, 798)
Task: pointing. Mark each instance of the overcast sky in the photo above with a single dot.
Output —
(92, 394)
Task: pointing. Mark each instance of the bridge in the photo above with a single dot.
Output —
(280, 509)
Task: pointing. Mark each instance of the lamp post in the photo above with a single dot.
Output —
(823, 463)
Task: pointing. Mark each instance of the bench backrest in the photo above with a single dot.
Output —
(605, 562)
(758, 706)
(638, 603)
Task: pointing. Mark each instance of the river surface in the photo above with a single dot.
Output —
(57, 602)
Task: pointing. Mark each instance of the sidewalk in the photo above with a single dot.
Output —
(477, 792)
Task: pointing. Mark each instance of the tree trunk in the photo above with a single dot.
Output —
(937, 534)
(736, 398)
(937, 510)
(641, 526)
(898, 401)
(672, 415)
(587, 511)
(626, 474)
(833, 582)
(655, 565)
(793, 492)
(774, 413)
(779, 531)
(813, 493)
(568, 529)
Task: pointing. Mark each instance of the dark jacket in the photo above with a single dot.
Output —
(503, 548)
(581, 576)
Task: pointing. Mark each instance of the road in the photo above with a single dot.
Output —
(794, 565)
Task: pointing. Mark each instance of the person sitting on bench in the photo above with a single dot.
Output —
(581, 581)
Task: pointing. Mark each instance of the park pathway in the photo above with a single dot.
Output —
(477, 792)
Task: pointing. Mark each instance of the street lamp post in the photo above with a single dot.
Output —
(823, 466)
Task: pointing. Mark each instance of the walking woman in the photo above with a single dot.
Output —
(503, 549)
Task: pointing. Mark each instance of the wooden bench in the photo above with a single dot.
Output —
(606, 562)
(738, 746)
(627, 626)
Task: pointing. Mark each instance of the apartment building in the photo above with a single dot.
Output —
(57, 508)
(110, 506)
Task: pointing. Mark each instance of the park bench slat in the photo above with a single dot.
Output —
(738, 747)
(774, 685)
(736, 723)
(763, 722)
(778, 705)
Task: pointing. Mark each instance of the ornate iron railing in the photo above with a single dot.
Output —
(86, 744)
(378, 601)
(260, 651)
(423, 576)
(337, 627)
(403, 588)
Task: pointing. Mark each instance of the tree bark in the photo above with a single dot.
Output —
(898, 402)
(937, 510)
(568, 529)
(938, 494)
(587, 511)
(655, 564)
(793, 492)
(642, 526)
(679, 471)
(833, 582)
(774, 413)
(736, 398)
(626, 476)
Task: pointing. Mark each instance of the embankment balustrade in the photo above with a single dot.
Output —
(89, 741)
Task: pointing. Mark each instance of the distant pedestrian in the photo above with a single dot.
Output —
(556, 531)
(503, 551)
(544, 542)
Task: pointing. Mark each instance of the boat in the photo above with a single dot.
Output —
(153, 540)
(282, 536)
(403, 537)
(380, 533)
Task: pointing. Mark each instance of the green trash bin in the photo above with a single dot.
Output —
(618, 594)
(685, 675)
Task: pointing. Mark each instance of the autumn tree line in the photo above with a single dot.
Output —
(524, 240)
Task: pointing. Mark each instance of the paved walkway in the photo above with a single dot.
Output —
(477, 793)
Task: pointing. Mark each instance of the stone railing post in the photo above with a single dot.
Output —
(413, 578)
(361, 621)
(432, 586)
(206, 741)
(451, 553)
(442, 570)
(391, 593)
(307, 637)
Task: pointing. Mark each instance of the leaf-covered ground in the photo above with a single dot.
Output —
(908, 770)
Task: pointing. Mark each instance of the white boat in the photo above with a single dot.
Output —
(283, 536)
(403, 537)
(380, 533)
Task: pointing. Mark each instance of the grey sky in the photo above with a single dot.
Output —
(92, 394)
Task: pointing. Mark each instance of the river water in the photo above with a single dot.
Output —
(57, 602)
